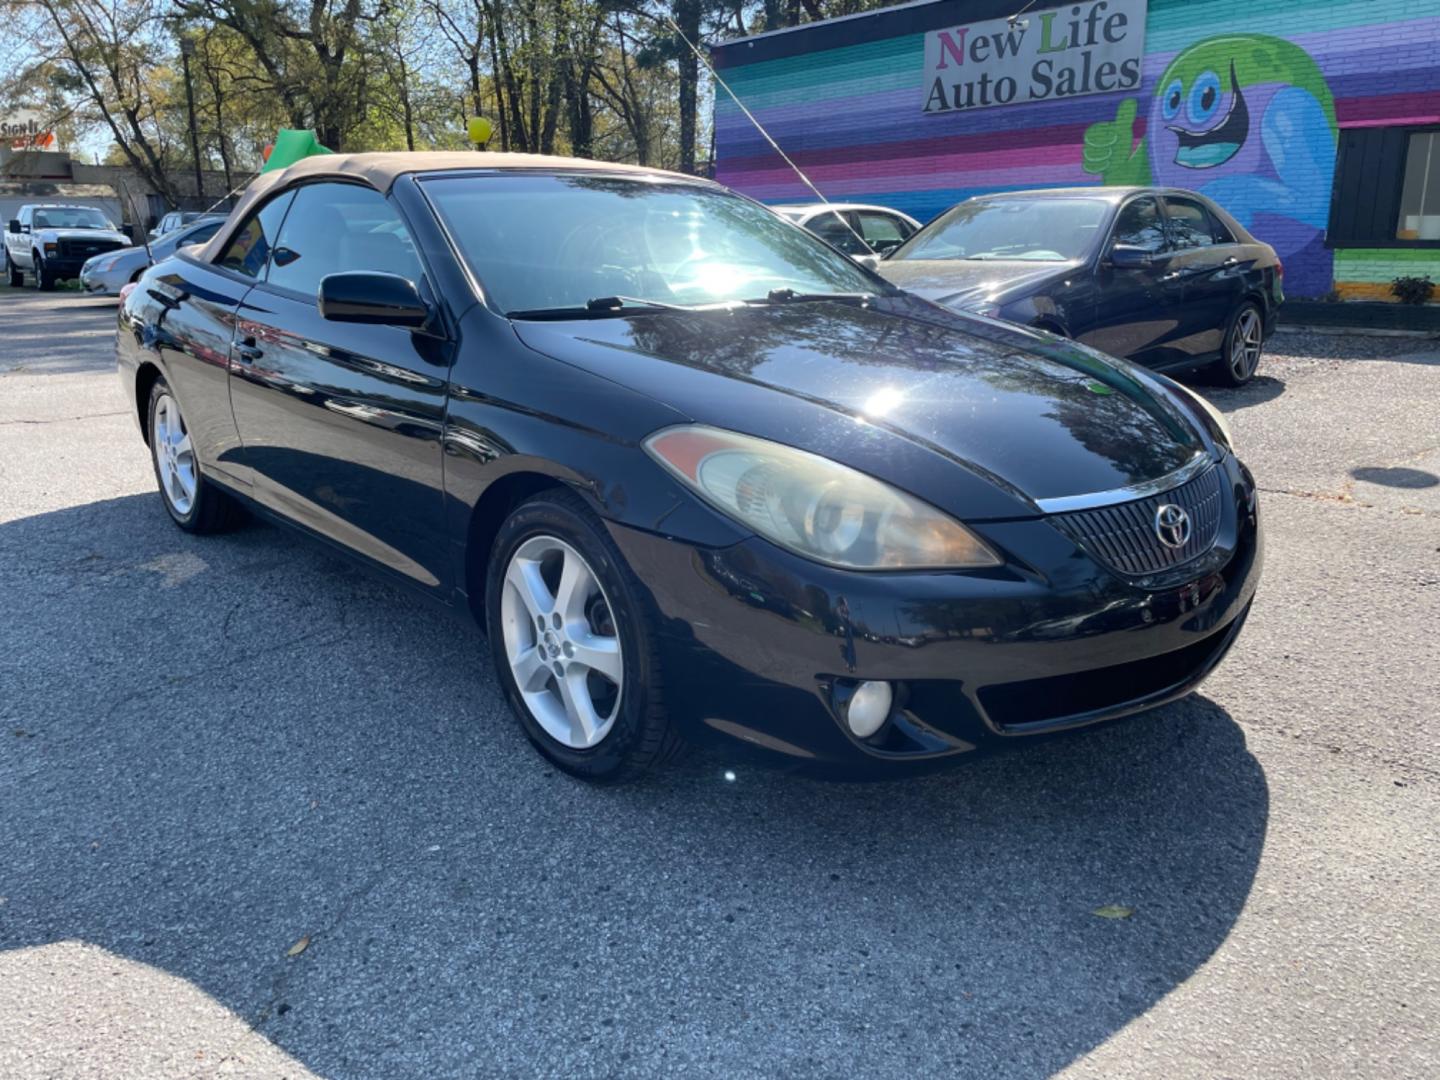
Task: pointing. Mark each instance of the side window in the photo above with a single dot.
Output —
(881, 231)
(1221, 231)
(1139, 225)
(338, 227)
(1189, 224)
(250, 247)
(832, 230)
(204, 233)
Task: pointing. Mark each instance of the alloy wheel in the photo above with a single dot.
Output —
(174, 455)
(561, 642)
(1245, 344)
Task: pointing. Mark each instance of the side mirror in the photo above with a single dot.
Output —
(14, 225)
(371, 297)
(870, 262)
(1130, 257)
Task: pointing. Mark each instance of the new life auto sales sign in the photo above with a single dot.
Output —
(1084, 48)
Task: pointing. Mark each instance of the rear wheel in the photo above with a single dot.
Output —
(193, 503)
(572, 645)
(1244, 341)
(14, 273)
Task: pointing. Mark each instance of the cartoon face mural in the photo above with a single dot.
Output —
(1249, 121)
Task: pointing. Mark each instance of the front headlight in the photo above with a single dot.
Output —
(813, 506)
(100, 265)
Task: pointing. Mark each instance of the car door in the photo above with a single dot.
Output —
(1209, 263)
(883, 232)
(1134, 311)
(19, 242)
(196, 329)
(341, 422)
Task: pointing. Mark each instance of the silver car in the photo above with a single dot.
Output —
(105, 274)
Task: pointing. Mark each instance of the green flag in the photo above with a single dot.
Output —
(290, 146)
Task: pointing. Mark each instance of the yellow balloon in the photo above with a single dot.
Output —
(479, 129)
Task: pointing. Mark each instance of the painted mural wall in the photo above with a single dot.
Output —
(1240, 99)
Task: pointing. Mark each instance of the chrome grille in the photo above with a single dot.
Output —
(1123, 536)
(73, 248)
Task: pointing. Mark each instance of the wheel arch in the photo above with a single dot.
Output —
(146, 376)
(495, 504)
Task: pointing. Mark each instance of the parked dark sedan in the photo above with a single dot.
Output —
(699, 475)
(1156, 275)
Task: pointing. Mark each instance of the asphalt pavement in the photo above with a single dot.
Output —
(264, 816)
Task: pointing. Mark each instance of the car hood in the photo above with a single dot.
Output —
(956, 282)
(129, 254)
(85, 234)
(1036, 416)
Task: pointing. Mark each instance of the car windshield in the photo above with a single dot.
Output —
(69, 217)
(1039, 230)
(558, 242)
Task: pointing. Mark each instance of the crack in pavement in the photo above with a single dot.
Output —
(1342, 498)
(66, 419)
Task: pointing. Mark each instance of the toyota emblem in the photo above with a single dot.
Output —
(1172, 525)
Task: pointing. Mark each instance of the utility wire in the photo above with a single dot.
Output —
(760, 127)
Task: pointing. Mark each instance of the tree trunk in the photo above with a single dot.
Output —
(687, 14)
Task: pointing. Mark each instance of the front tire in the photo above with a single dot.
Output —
(572, 643)
(1244, 342)
(193, 503)
(44, 280)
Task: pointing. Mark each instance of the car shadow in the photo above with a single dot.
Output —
(1396, 477)
(1257, 391)
(215, 747)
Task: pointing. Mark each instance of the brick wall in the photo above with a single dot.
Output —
(851, 116)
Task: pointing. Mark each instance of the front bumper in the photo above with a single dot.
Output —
(756, 641)
(101, 283)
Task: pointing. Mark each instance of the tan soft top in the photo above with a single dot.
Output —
(381, 170)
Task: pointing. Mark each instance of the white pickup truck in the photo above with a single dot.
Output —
(52, 242)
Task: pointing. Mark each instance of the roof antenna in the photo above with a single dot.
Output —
(758, 126)
(140, 225)
(1015, 20)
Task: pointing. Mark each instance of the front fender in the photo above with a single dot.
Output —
(514, 411)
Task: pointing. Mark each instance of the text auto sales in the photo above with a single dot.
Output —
(1090, 48)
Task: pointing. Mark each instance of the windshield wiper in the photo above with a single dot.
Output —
(601, 306)
(790, 296)
(613, 303)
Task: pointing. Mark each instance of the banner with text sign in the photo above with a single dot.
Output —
(1086, 48)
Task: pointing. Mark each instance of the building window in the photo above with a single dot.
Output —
(1387, 189)
(1420, 197)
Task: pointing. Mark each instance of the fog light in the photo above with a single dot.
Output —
(869, 708)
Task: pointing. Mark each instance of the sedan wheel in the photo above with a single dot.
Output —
(560, 639)
(1245, 344)
(573, 643)
(174, 456)
(193, 503)
(1240, 356)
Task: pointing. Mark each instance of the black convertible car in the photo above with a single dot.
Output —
(1160, 276)
(699, 475)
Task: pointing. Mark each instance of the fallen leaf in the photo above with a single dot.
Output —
(1114, 911)
(299, 946)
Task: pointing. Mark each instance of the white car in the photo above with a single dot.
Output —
(857, 229)
(52, 242)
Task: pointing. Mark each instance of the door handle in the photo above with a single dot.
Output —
(1172, 276)
(248, 351)
(1231, 261)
